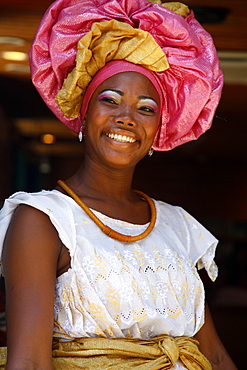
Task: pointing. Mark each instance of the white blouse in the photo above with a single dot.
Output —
(115, 289)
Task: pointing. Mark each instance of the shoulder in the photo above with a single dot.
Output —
(29, 227)
(27, 219)
(40, 200)
(172, 214)
(179, 218)
(45, 215)
(54, 204)
(199, 243)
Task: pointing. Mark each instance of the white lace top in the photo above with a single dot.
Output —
(115, 289)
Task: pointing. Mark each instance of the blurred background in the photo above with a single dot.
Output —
(207, 177)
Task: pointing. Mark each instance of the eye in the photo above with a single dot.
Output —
(147, 109)
(110, 97)
(147, 105)
(108, 100)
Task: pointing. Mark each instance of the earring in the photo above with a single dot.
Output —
(150, 152)
(81, 134)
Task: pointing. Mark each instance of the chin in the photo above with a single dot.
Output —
(123, 161)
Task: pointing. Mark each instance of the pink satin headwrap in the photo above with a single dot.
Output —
(192, 85)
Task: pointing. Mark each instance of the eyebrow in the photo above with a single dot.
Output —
(116, 91)
(147, 97)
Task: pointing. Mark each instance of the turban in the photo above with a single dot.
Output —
(76, 38)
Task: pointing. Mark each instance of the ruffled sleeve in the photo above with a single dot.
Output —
(194, 239)
(199, 242)
(51, 204)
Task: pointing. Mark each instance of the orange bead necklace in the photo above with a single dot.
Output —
(106, 229)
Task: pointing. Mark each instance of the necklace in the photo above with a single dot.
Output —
(106, 229)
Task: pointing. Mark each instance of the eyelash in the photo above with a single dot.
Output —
(147, 109)
(109, 100)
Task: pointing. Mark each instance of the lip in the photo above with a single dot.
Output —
(121, 138)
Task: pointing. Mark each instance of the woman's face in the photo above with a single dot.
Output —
(122, 120)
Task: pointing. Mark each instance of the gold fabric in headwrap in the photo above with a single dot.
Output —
(110, 40)
(161, 352)
(175, 6)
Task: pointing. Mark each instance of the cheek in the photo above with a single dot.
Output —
(152, 128)
(92, 118)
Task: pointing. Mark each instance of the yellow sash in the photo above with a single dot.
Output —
(161, 352)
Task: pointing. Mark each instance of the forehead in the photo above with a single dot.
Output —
(133, 82)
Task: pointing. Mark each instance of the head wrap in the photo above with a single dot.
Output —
(76, 38)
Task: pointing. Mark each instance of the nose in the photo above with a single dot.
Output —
(125, 122)
(125, 118)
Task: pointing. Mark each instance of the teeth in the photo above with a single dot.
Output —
(121, 138)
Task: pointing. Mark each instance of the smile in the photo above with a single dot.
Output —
(121, 138)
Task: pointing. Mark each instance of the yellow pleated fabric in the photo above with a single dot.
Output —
(107, 41)
(161, 352)
(175, 6)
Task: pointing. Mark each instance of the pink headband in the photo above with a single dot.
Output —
(192, 84)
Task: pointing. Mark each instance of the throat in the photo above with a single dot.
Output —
(135, 214)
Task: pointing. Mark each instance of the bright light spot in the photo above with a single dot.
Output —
(48, 139)
(14, 55)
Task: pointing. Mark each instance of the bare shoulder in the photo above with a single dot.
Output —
(31, 238)
(29, 223)
(30, 217)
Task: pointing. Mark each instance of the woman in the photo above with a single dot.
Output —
(121, 266)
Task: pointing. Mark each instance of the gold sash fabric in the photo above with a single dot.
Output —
(161, 352)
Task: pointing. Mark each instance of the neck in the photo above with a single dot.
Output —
(109, 191)
(96, 181)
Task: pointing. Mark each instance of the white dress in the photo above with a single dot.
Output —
(115, 289)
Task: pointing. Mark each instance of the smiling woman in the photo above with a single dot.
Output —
(99, 275)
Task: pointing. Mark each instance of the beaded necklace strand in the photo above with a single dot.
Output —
(106, 229)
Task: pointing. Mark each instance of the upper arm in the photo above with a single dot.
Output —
(30, 256)
(211, 346)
